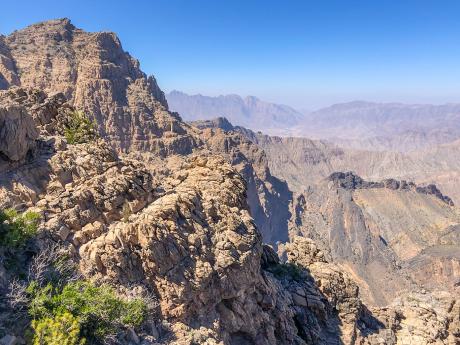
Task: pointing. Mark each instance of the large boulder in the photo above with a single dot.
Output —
(18, 132)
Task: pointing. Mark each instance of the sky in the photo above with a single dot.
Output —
(307, 54)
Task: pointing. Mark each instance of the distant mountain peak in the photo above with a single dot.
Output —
(250, 111)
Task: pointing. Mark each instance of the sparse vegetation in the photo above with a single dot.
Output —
(64, 329)
(79, 128)
(97, 309)
(287, 271)
(61, 308)
(17, 228)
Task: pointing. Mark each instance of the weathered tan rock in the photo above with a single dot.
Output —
(8, 72)
(17, 131)
(197, 246)
(99, 78)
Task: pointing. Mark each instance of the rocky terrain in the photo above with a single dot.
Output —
(382, 232)
(303, 162)
(175, 214)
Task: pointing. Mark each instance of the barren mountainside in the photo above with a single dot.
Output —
(367, 221)
(249, 112)
(303, 162)
(357, 125)
(122, 224)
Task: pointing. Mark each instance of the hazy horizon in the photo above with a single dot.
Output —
(325, 105)
(307, 55)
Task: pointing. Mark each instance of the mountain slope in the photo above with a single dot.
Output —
(96, 76)
(383, 126)
(303, 162)
(383, 233)
(99, 78)
(379, 231)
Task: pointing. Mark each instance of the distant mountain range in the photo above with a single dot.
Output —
(383, 126)
(357, 124)
(249, 112)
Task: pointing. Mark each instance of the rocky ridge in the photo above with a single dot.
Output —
(349, 180)
(381, 232)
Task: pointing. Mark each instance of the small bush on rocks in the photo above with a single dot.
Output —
(63, 329)
(98, 309)
(79, 128)
(287, 271)
(17, 228)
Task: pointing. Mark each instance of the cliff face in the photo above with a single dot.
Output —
(390, 235)
(96, 76)
(177, 216)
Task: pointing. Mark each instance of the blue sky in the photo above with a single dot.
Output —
(303, 53)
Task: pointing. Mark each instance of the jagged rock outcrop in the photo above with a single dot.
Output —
(268, 197)
(218, 122)
(198, 248)
(338, 290)
(98, 77)
(17, 132)
(349, 180)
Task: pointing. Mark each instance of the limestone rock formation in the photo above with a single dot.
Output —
(99, 78)
(268, 197)
(17, 134)
(351, 181)
(389, 238)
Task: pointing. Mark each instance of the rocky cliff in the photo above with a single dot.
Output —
(98, 77)
(381, 234)
(155, 207)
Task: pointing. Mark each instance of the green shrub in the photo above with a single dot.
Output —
(16, 228)
(288, 271)
(134, 313)
(79, 128)
(99, 310)
(63, 329)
